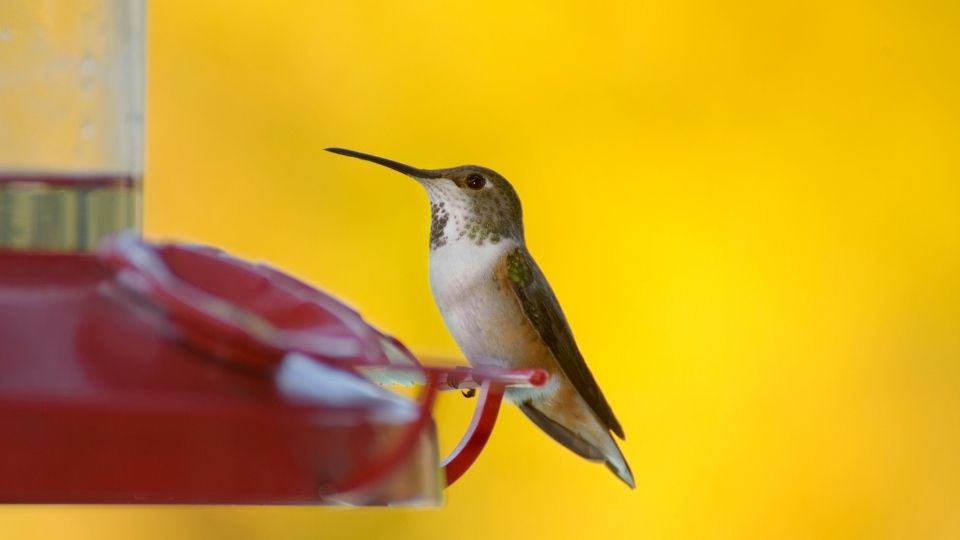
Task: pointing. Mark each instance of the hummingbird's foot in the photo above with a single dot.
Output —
(469, 393)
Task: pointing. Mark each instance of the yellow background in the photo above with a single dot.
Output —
(749, 211)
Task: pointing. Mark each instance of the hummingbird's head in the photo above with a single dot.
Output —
(467, 203)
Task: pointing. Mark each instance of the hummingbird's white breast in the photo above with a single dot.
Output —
(483, 316)
(472, 306)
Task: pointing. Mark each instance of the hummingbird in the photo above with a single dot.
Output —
(500, 310)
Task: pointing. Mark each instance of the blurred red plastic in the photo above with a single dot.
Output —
(107, 399)
(244, 312)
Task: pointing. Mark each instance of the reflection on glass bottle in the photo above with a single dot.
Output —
(65, 213)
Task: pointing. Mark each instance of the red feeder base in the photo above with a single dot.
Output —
(105, 402)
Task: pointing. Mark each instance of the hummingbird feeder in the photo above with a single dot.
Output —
(136, 372)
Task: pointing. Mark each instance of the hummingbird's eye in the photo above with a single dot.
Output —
(476, 181)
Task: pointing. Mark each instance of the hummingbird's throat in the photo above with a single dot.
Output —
(478, 217)
(438, 224)
(450, 224)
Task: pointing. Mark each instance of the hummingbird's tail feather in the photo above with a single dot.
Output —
(560, 433)
(619, 466)
(593, 443)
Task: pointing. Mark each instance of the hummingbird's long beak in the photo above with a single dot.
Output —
(389, 163)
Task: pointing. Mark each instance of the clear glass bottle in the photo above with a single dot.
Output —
(71, 122)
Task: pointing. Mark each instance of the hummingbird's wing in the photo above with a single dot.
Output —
(540, 307)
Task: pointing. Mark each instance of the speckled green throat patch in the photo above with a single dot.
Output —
(479, 216)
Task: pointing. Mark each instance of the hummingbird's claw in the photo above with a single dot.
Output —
(469, 393)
